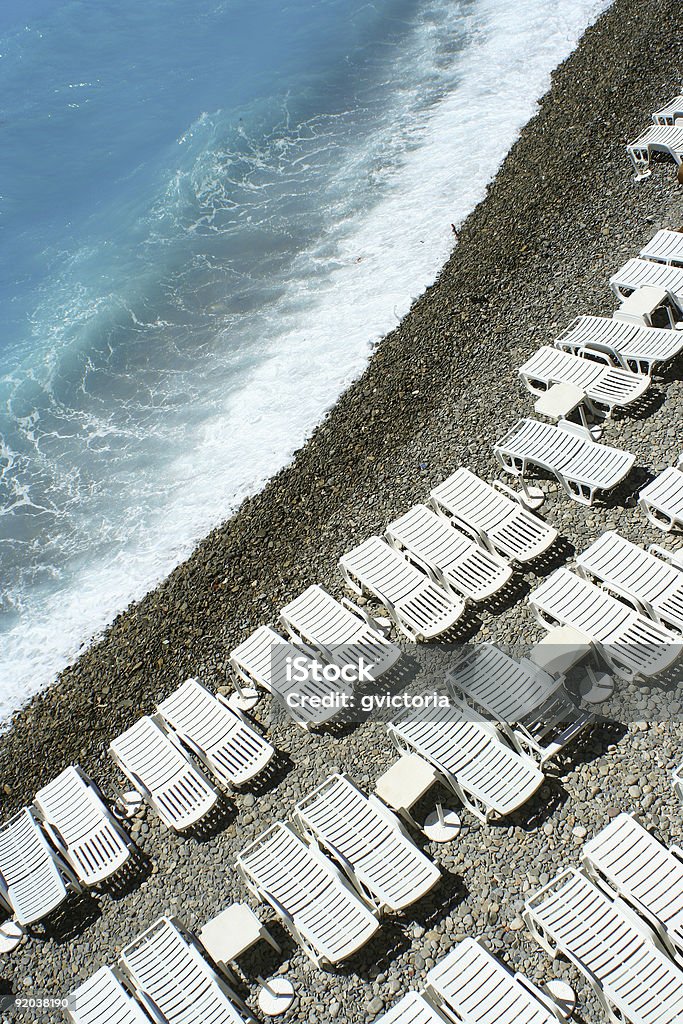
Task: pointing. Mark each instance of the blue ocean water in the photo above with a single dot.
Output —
(208, 214)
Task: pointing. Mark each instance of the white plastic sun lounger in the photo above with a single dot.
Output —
(636, 273)
(211, 730)
(582, 465)
(171, 975)
(652, 580)
(81, 826)
(532, 708)
(662, 499)
(157, 766)
(633, 978)
(420, 607)
(368, 842)
(664, 247)
(34, 881)
(494, 519)
(340, 632)
(670, 113)
(414, 1008)
(321, 909)
(631, 644)
(265, 658)
(641, 349)
(457, 563)
(102, 999)
(488, 777)
(606, 387)
(635, 866)
(473, 986)
(658, 138)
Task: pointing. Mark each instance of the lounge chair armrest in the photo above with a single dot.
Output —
(655, 933)
(509, 492)
(599, 353)
(363, 614)
(677, 852)
(641, 607)
(578, 429)
(674, 558)
(542, 997)
(55, 835)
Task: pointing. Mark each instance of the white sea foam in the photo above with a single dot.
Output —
(431, 165)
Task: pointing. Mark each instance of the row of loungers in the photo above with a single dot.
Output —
(665, 135)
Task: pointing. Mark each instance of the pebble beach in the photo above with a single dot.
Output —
(562, 214)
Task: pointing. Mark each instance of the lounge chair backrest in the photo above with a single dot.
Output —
(478, 989)
(633, 346)
(413, 1008)
(508, 689)
(31, 874)
(637, 272)
(664, 247)
(102, 999)
(383, 570)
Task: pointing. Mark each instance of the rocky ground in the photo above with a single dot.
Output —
(562, 214)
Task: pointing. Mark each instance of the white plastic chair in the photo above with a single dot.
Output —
(267, 660)
(103, 999)
(456, 562)
(662, 499)
(473, 986)
(641, 349)
(632, 864)
(636, 272)
(339, 631)
(490, 778)
(606, 387)
(173, 978)
(582, 466)
(159, 768)
(493, 516)
(658, 138)
(226, 744)
(532, 708)
(664, 247)
(631, 644)
(368, 842)
(631, 974)
(320, 908)
(651, 580)
(419, 607)
(34, 880)
(81, 826)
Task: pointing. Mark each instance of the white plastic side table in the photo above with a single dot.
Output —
(560, 401)
(406, 782)
(231, 933)
(563, 996)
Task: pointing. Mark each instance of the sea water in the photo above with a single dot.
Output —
(209, 212)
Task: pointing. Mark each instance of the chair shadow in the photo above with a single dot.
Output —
(542, 805)
(557, 555)
(653, 399)
(137, 868)
(69, 920)
(218, 819)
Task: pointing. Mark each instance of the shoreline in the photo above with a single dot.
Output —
(561, 215)
(241, 573)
